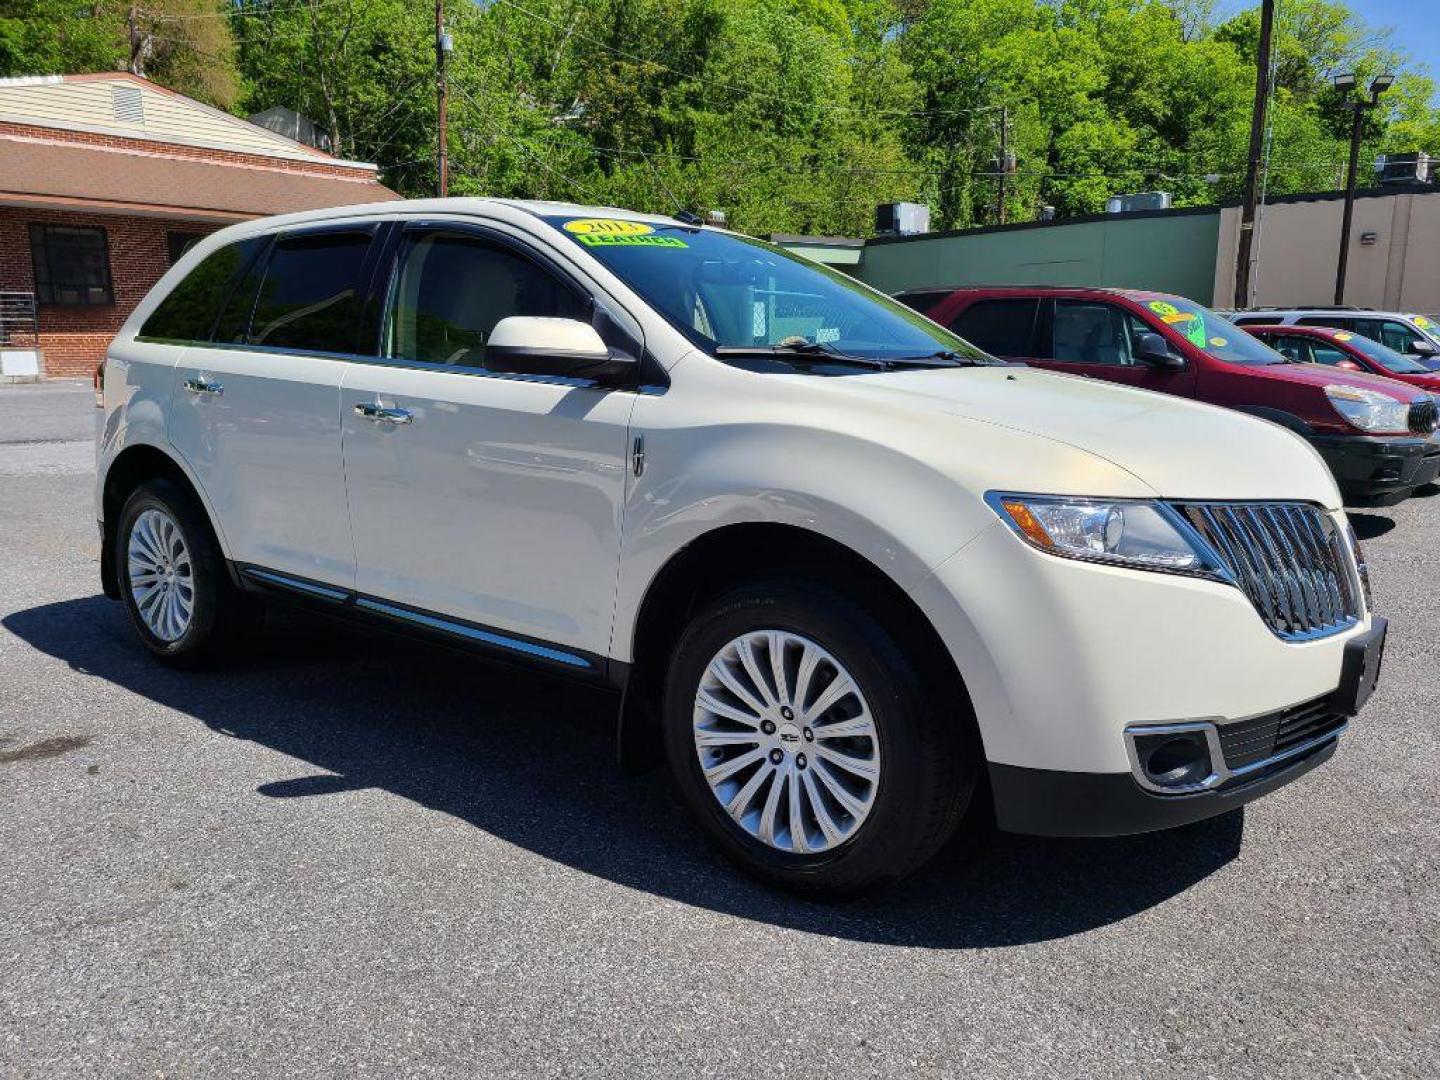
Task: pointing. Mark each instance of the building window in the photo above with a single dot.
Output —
(72, 265)
(181, 242)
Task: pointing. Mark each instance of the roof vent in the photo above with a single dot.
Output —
(129, 105)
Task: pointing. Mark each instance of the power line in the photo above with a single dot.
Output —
(570, 181)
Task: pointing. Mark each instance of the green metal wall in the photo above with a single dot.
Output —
(1167, 252)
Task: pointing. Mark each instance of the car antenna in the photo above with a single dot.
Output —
(682, 215)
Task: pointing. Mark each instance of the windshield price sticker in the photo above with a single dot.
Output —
(607, 227)
(1422, 322)
(1343, 336)
(629, 240)
(1219, 342)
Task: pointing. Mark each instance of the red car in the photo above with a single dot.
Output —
(1345, 350)
(1376, 434)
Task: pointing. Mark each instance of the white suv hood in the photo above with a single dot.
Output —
(1181, 449)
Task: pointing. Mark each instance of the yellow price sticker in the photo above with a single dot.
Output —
(1344, 335)
(1219, 342)
(607, 227)
(1422, 322)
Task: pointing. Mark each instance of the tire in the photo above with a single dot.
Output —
(207, 613)
(920, 744)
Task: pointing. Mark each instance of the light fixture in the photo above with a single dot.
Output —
(1344, 82)
(1381, 83)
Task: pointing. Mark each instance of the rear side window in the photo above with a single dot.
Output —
(189, 312)
(1333, 321)
(1000, 327)
(310, 294)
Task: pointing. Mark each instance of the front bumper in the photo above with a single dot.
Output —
(1046, 802)
(1368, 467)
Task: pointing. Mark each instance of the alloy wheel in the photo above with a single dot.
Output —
(162, 582)
(786, 741)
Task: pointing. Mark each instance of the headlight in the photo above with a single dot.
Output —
(1143, 535)
(1369, 410)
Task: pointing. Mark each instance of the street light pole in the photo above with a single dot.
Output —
(1358, 109)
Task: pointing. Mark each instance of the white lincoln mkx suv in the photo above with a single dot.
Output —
(846, 571)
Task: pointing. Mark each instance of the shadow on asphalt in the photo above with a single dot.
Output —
(530, 759)
(1369, 526)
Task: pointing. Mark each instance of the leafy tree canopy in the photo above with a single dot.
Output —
(792, 115)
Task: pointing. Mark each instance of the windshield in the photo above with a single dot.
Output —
(1429, 325)
(1386, 357)
(1206, 330)
(725, 290)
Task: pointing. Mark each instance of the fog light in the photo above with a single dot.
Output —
(1174, 758)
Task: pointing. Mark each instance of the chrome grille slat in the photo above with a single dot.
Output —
(1289, 559)
(1303, 568)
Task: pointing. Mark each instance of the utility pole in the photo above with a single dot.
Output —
(1358, 109)
(443, 45)
(1004, 162)
(1253, 158)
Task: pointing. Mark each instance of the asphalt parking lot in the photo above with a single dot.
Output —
(348, 856)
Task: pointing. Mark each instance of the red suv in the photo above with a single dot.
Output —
(1345, 349)
(1376, 434)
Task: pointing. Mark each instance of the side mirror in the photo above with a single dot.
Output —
(540, 345)
(1424, 348)
(1153, 351)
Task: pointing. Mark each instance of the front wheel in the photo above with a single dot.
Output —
(814, 747)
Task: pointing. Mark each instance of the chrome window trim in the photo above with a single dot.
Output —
(410, 365)
(1220, 773)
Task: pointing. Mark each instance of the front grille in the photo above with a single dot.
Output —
(1423, 417)
(1288, 558)
(1249, 741)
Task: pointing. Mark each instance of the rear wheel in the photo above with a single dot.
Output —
(172, 576)
(813, 746)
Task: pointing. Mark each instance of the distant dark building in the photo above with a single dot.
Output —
(292, 125)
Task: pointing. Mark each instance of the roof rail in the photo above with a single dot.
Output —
(1307, 307)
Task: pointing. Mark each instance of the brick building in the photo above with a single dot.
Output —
(105, 179)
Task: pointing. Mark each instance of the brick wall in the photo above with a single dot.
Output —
(73, 339)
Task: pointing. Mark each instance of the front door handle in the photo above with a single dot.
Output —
(381, 414)
(203, 385)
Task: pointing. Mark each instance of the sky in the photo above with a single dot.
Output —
(1416, 24)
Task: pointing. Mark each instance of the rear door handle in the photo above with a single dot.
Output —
(203, 385)
(381, 414)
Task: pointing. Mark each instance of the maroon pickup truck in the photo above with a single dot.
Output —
(1376, 434)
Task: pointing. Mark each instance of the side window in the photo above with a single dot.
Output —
(1330, 320)
(923, 302)
(309, 296)
(1321, 353)
(1086, 332)
(1294, 349)
(1398, 336)
(451, 290)
(189, 311)
(1000, 327)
